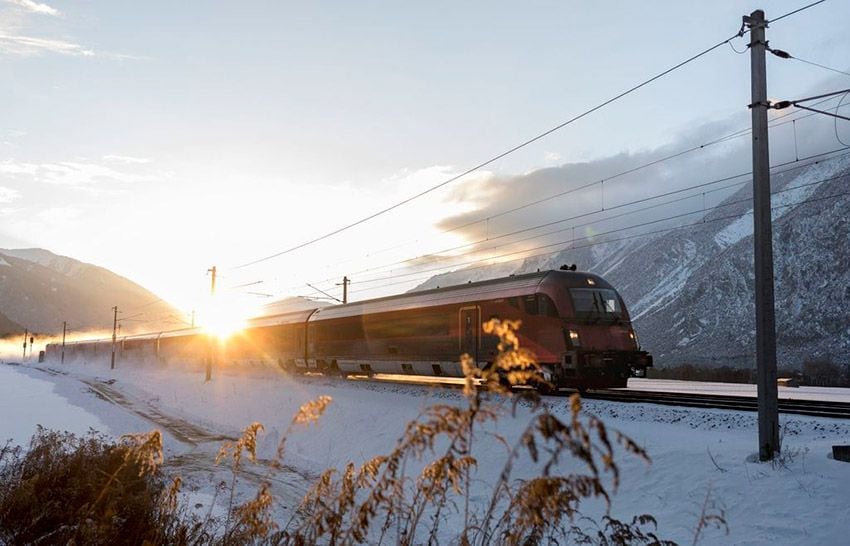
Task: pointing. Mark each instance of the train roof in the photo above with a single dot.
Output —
(504, 287)
(294, 317)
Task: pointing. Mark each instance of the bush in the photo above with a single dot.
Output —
(67, 489)
(72, 490)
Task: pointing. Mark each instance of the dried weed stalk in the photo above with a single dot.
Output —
(366, 504)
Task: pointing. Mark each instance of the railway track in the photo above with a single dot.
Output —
(816, 408)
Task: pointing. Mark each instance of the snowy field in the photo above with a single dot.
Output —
(804, 500)
(738, 389)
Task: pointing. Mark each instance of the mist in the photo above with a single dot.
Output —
(579, 201)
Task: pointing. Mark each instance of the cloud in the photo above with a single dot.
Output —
(7, 195)
(126, 159)
(549, 204)
(27, 46)
(35, 7)
(553, 157)
(74, 173)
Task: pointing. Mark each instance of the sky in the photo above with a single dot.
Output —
(158, 139)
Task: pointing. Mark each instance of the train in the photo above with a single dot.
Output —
(575, 322)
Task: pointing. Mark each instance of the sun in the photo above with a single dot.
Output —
(222, 316)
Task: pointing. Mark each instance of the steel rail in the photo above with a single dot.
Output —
(815, 408)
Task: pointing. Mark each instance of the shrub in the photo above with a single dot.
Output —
(84, 490)
(88, 490)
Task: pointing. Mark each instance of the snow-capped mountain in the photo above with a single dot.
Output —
(690, 290)
(39, 290)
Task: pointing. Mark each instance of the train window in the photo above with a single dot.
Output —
(596, 303)
(546, 306)
(513, 302)
(347, 329)
(540, 304)
(409, 326)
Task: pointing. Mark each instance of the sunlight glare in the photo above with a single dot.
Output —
(223, 316)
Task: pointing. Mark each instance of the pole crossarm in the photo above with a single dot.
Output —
(796, 103)
(323, 292)
(839, 116)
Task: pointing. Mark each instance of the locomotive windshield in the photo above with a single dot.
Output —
(596, 303)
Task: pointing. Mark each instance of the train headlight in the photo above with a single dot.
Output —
(575, 340)
(634, 338)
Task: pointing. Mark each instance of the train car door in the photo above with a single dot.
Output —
(470, 331)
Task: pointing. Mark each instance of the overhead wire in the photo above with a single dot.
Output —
(798, 10)
(496, 157)
(469, 171)
(795, 164)
(630, 237)
(820, 65)
(775, 122)
(604, 219)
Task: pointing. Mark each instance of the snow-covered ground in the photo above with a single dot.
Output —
(801, 501)
(834, 394)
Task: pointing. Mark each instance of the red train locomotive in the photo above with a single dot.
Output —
(575, 322)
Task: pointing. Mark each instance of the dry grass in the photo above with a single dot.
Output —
(73, 490)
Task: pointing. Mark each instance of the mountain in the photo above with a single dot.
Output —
(690, 290)
(39, 290)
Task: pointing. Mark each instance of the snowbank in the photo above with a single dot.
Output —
(801, 500)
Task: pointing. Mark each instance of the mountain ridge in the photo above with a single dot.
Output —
(39, 290)
(690, 289)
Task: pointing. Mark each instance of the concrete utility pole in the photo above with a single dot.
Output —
(212, 284)
(345, 282)
(114, 332)
(763, 240)
(64, 330)
(212, 341)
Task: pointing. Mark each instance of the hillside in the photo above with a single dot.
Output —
(39, 290)
(690, 290)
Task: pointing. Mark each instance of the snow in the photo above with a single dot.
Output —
(802, 500)
(797, 190)
(61, 264)
(28, 401)
(664, 293)
(834, 394)
(741, 227)
(4, 262)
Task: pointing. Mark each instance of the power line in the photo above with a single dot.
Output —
(639, 235)
(776, 122)
(782, 54)
(496, 157)
(562, 243)
(798, 10)
(795, 165)
(820, 66)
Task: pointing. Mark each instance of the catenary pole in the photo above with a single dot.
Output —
(26, 336)
(114, 332)
(64, 330)
(212, 341)
(768, 410)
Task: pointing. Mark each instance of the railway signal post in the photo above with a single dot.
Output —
(768, 407)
